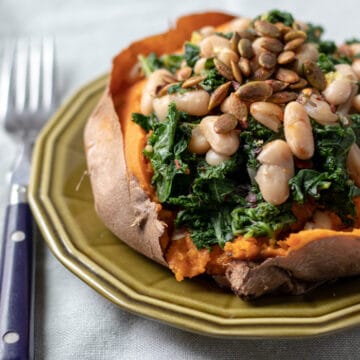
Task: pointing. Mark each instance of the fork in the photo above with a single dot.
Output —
(27, 95)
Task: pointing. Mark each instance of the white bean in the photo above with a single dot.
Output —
(356, 67)
(212, 45)
(353, 164)
(199, 66)
(213, 158)
(275, 171)
(198, 143)
(273, 182)
(192, 102)
(224, 144)
(356, 103)
(346, 71)
(344, 109)
(238, 24)
(207, 31)
(298, 131)
(278, 153)
(155, 80)
(355, 48)
(320, 110)
(320, 220)
(338, 91)
(268, 114)
(161, 106)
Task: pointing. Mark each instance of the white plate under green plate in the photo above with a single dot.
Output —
(62, 203)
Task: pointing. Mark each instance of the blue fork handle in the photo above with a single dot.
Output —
(16, 284)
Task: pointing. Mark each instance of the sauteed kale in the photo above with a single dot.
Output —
(218, 197)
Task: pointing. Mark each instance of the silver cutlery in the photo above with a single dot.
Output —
(27, 99)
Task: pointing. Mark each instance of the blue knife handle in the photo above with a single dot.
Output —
(16, 284)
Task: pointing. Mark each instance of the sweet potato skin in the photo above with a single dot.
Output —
(126, 203)
(320, 256)
(136, 223)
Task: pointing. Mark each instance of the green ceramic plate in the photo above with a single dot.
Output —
(62, 203)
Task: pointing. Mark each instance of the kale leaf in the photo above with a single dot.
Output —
(207, 227)
(308, 182)
(177, 88)
(263, 220)
(152, 62)
(253, 138)
(149, 63)
(352, 41)
(329, 183)
(192, 54)
(325, 63)
(169, 142)
(314, 33)
(206, 209)
(172, 62)
(212, 81)
(275, 16)
(327, 47)
(228, 35)
(355, 125)
(146, 122)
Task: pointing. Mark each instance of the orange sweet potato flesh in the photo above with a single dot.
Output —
(126, 202)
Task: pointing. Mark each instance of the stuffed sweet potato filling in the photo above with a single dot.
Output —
(233, 152)
(250, 134)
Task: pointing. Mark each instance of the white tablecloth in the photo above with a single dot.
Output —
(72, 320)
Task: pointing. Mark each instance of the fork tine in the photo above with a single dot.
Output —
(5, 77)
(35, 62)
(21, 73)
(48, 57)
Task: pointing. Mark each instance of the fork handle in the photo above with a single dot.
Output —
(15, 286)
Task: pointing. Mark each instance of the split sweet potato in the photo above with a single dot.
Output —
(127, 203)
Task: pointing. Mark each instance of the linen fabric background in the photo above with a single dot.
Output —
(73, 321)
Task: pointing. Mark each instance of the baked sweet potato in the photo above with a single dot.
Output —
(314, 235)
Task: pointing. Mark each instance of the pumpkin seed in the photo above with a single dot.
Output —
(245, 48)
(194, 80)
(234, 41)
(283, 28)
(236, 72)
(225, 123)
(164, 90)
(294, 44)
(267, 59)
(249, 34)
(223, 69)
(237, 107)
(286, 57)
(263, 73)
(283, 97)
(266, 28)
(184, 73)
(296, 26)
(254, 91)
(244, 66)
(314, 75)
(298, 85)
(254, 63)
(271, 44)
(294, 34)
(219, 95)
(277, 85)
(287, 75)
